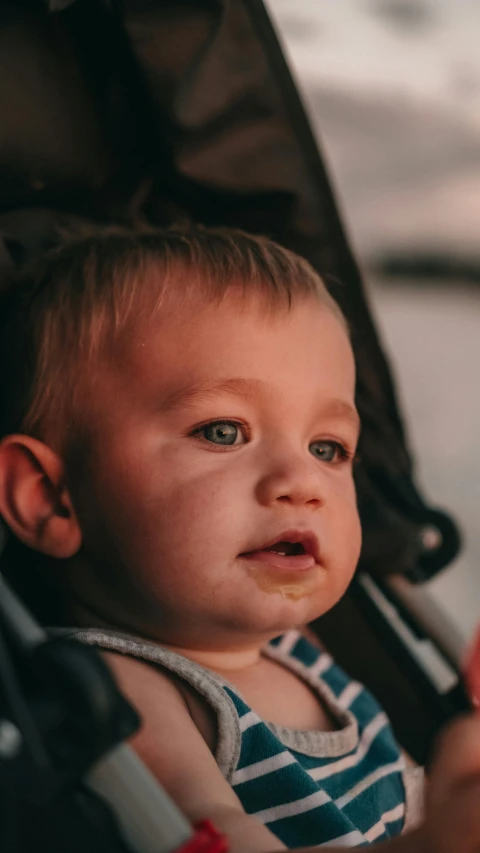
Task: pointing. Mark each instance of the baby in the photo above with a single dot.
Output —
(179, 429)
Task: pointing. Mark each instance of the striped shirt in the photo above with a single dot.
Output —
(348, 787)
(342, 788)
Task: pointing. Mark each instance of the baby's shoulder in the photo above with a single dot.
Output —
(162, 697)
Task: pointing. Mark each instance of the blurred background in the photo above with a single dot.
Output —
(392, 88)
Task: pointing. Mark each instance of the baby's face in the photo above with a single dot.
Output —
(217, 434)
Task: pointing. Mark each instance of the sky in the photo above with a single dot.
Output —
(423, 48)
(393, 91)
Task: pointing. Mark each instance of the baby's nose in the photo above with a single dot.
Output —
(294, 482)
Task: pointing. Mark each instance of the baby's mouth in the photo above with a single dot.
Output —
(287, 549)
(283, 555)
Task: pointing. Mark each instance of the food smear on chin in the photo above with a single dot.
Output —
(292, 585)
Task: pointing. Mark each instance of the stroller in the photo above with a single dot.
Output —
(149, 111)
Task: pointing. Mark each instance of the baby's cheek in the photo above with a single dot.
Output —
(346, 552)
(357, 539)
(348, 522)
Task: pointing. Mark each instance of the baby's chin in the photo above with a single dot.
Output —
(297, 595)
(273, 612)
(289, 585)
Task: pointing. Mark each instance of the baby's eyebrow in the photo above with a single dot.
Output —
(339, 408)
(250, 389)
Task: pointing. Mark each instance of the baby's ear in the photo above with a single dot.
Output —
(34, 500)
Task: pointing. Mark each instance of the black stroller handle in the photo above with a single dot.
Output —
(63, 776)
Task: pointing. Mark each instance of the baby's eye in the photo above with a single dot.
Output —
(329, 451)
(225, 433)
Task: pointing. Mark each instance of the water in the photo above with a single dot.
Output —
(432, 337)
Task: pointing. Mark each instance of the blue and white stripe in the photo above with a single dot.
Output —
(347, 800)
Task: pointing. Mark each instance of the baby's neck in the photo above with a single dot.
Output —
(223, 662)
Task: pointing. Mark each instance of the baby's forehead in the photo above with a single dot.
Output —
(195, 338)
(185, 321)
(186, 302)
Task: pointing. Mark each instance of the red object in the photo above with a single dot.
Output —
(472, 672)
(207, 839)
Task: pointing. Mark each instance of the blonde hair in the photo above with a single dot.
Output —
(71, 307)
